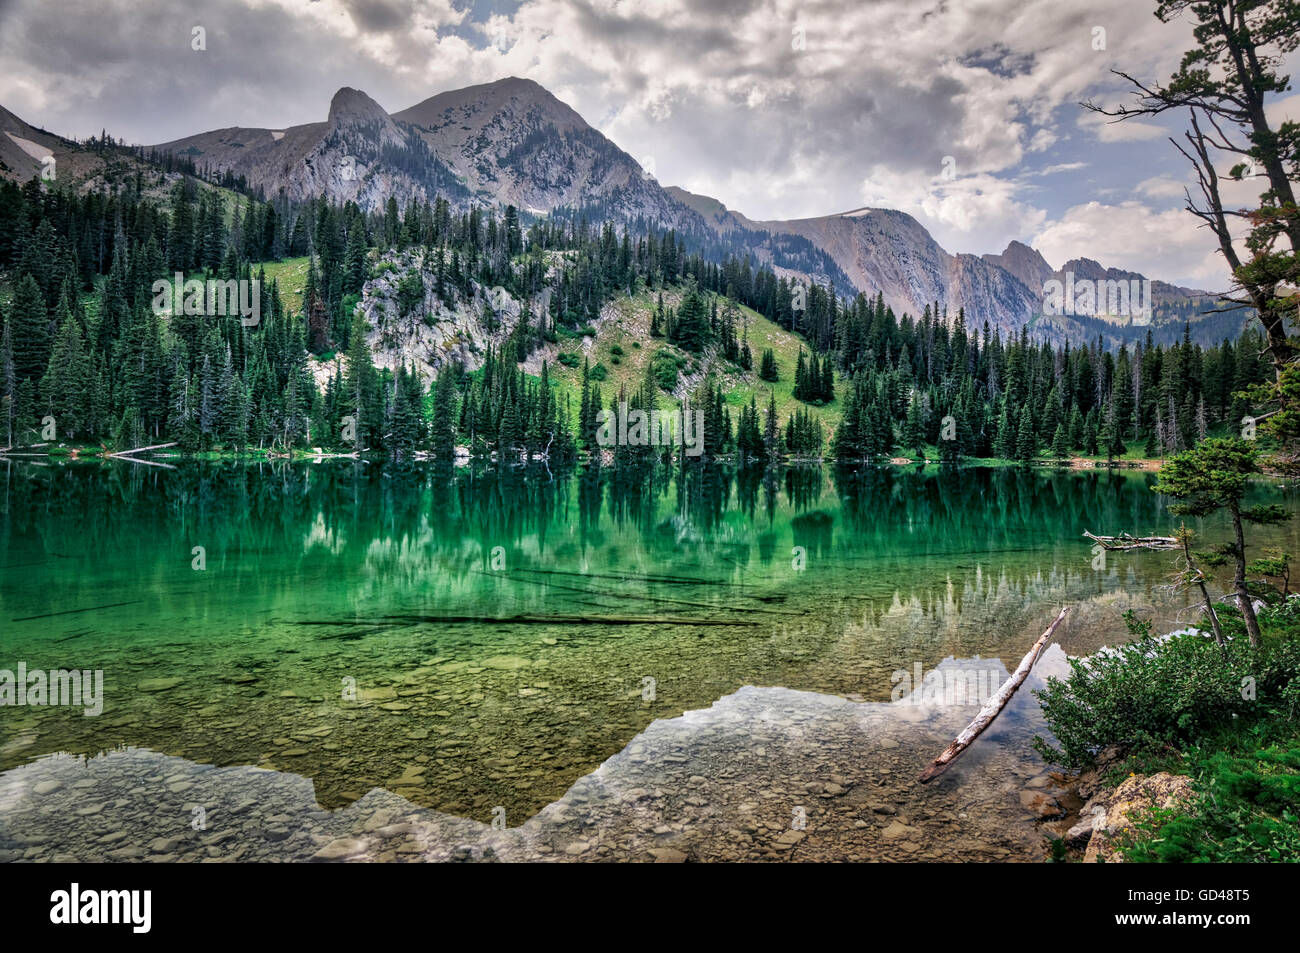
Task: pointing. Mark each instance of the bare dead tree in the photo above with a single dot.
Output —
(1223, 83)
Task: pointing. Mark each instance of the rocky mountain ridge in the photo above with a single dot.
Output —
(513, 142)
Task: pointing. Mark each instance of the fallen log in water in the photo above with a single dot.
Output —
(394, 619)
(1124, 541)
(582, 590)
(50, 615)
(992, 708)
(633, 577)
(127, 453)
(527, 619)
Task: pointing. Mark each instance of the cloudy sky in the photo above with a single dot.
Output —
(962, 112)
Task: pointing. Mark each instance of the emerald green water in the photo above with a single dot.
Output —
(478, 641)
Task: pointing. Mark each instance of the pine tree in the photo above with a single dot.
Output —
(913, 431)
(30, 327)
(362, 387)
(772, 432)
(1026, 443)
(1060, 443)
(443, 437)
(67, 383)
(1004, 444)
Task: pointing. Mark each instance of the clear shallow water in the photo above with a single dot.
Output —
(480, 642)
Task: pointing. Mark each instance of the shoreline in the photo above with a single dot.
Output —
(462, 458)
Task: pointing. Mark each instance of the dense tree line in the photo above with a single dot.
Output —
(82, 343)
(930, 381)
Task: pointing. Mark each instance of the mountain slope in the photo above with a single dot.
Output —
(513, 142)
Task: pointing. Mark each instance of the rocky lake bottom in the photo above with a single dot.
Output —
(363, 670)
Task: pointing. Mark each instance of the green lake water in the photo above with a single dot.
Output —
(478, 645)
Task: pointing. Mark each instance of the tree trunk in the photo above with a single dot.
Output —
(1243, 594)
(1205, 593)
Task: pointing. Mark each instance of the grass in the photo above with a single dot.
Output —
(624, 347)
(291, 275)
(1246, 808)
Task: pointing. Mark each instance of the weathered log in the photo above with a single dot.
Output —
(993, 707)
(50, 615)
(1125, 542)
(156, 446)
(529, 619)
(635, 577)
(149, 463)
(582, 590)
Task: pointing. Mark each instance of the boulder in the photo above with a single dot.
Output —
(1117, 813)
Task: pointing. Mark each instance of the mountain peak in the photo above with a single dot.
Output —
(350, 105)
(1024, 262)
(504, 100)
(520, 82)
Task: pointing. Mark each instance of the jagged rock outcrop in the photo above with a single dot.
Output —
(431, 334)
(514, 142)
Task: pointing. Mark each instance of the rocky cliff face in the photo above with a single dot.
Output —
(513, 142)
(509, 142)
(890, 252)
(432, 334)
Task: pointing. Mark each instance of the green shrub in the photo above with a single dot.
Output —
(599, 372)
(569, 359)
(1150, 693)
(664, 366)
(410, 292)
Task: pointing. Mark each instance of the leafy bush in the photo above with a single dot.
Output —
(1153, 693)
(665, 366)
(599, 372)
(410, 292)
(569, 359)
(1282, 615)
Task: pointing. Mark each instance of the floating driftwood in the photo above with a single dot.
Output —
(583, 590)
(1124, 541)
(529, 619)
(992, 708)
(148, 463)
(127, 453)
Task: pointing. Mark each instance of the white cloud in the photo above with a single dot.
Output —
(1061, 167)
(1166, 245)
(1161, 187)
(716, 90)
